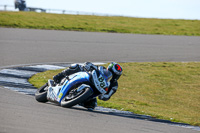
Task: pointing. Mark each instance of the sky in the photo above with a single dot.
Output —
(172, 9)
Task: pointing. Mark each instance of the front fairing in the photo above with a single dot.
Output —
(100, 82)
(75, 79)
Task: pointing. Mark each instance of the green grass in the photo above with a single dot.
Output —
(163, 90)
(34, 20)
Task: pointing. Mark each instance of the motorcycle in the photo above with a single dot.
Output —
(74, 89)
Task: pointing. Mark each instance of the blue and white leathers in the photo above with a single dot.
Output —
(77, 78)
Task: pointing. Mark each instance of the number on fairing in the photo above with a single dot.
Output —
(102, 83)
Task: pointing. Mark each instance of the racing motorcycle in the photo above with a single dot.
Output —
(76, 88)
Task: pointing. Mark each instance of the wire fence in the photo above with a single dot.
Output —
(7, 8)
(57, 11)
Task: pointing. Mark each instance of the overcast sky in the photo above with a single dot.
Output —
(175, 9)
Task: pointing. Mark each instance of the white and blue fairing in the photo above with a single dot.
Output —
(100, 82)
(77, 78)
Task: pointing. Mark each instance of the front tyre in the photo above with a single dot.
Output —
(74, 97)
(41, 94)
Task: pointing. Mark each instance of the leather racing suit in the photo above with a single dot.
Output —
(74, 68)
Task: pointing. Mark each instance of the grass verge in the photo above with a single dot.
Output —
(99, 23)
(163, 90)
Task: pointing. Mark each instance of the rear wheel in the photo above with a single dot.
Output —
(41, 94)
(74, 97)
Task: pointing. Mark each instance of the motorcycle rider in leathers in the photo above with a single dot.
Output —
(114, 68)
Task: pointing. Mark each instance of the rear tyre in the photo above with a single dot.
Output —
(68, 102)
(41, 94)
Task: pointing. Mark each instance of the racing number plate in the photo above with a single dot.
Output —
(100, 82)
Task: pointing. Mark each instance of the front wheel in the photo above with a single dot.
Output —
(41, 94)
(74, 97)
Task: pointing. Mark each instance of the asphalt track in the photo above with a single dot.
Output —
(23, 46)
(22, 114)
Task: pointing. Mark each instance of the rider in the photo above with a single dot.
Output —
(114, 68)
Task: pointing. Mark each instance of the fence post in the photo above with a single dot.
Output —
(5, 6)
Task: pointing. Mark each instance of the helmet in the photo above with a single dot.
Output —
(116, 70)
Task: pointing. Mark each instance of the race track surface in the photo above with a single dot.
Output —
(20, 113)
(23, 46)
